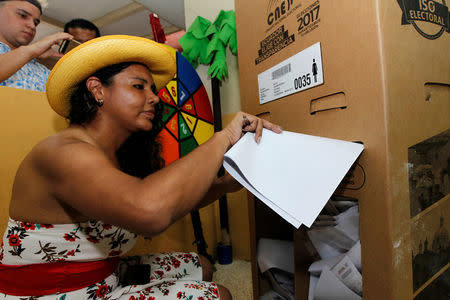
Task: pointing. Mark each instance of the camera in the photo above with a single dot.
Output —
(67, 45)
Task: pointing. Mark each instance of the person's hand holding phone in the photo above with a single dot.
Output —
(67, 45)
(43, 48)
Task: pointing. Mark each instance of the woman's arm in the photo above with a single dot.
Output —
(81, 175)
(221, 186)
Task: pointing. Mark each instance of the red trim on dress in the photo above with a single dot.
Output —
(55, 277)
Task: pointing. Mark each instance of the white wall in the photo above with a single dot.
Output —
(229, 89)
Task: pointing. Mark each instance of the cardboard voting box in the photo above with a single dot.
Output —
(376, 72)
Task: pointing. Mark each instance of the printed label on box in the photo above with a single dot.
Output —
(430, 18)
(297, 73)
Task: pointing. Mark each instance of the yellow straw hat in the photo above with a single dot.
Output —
(84, 60)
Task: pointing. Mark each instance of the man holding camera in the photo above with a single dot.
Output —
(18, 22)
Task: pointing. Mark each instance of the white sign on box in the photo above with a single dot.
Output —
(297, 73)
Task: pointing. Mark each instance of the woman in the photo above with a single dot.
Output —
(81, 196)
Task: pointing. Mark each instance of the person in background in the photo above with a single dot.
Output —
(19, 68)
(82, 30)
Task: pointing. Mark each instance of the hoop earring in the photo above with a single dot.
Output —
(100, 102)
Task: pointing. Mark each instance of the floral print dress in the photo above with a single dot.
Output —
(172, 275)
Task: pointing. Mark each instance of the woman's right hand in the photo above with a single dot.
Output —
(243, 122)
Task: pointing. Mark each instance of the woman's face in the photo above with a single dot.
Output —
(131, 98)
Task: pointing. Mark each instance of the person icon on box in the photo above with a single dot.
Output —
(314, 70)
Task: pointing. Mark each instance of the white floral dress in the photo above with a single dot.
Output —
(172, 275)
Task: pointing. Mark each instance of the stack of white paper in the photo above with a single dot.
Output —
(292, 173)
(338, 274)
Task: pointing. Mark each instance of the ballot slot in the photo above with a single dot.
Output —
(265, 116)
(355, 178)
(328, 102)
(436, 91)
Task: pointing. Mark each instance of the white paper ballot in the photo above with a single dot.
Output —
(348, 223)
(355, 255)
(312, 286)
(316, 267)
(275, 254)
(322, 247)
(292, 173)
(346, 271)
(329, 287)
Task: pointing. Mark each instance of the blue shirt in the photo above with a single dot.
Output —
(32, 76)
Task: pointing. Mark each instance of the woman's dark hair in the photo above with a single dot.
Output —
(139, 155)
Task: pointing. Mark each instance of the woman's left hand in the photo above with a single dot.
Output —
(243, 122)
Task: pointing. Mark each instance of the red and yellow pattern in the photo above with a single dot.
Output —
(187, 113)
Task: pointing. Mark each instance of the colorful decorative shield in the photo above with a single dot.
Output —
(187, 113)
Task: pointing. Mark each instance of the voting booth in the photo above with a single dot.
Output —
(376, 72)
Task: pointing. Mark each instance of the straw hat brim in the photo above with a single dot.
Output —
(82, 61)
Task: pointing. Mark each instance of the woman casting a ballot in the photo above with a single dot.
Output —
(81, 196)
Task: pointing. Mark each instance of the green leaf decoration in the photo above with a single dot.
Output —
(225, 17)
(232, 44)
(205, 58)
(211, 31)
(219, 68)
(214, 45)
(206, 42)
(191, 48)
(195, 49)
(226, 33)
(226, 25)
(198, 27)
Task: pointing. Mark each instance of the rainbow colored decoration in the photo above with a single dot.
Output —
(187, 115)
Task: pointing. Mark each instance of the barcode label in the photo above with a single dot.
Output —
(297, 73)
(281, 71)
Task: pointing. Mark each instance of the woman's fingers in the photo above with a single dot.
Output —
(244, 122)
(271, 126)
(258, 131)
(254, 124)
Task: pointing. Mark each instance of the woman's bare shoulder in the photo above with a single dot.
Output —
(71, 135)
(70, 144)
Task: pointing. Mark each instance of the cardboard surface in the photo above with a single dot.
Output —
(386, 83)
